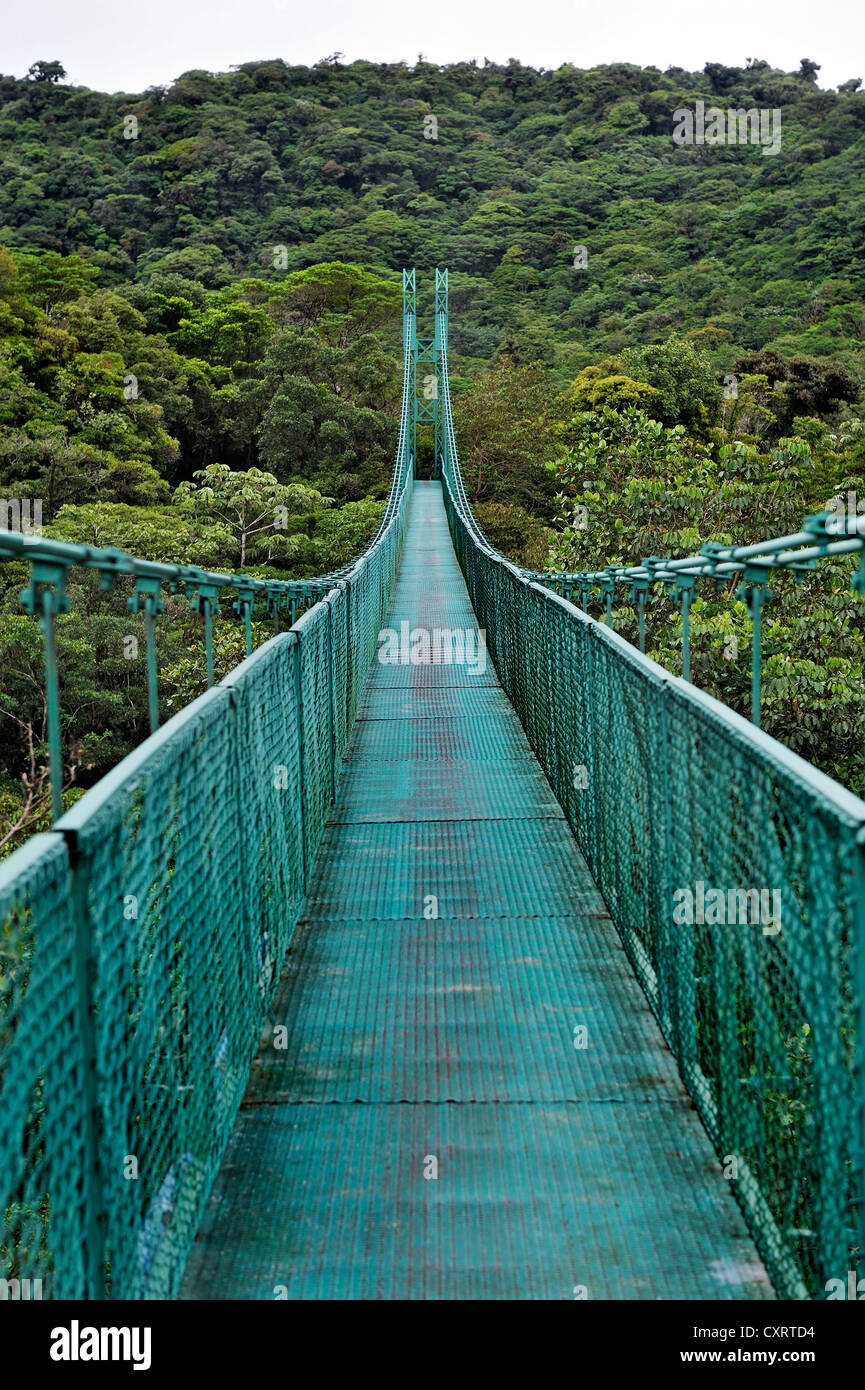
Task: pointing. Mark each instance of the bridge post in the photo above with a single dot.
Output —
(440, 342)
(859, 1062)
(427, 365)
(683, 588)
(243, 606)
(753, 590)
(147, 598)
(46, 598)
(331, 692)
(94, 1232)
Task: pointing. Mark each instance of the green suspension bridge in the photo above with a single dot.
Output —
(371, 978)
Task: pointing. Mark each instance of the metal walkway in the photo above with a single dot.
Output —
(429, 1129)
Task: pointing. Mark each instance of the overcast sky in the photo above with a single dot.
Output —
(128, 45)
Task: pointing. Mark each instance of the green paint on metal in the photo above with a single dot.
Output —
(428, 1010)
(148, 599)
(754, 593)
(672, 796)
(147, 934)
(151, 929)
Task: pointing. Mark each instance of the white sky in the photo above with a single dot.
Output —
(128, 45)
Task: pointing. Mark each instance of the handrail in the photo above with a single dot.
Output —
(50, 562)
(733, 870)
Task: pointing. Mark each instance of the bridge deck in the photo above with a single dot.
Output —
(452, 1038)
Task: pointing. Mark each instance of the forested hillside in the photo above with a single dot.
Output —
(339, 163)
(653, 344)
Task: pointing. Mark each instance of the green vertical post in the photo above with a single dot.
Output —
(859, 1061)
(298, 710)
(204, 602)
(684, 589)
(753, 590)
(45, 599)
(244, 605)
(208, 642)
(148, 598)
(52, 702)
(331, 690)
(150, 653)
(640, 592)
(409, 329)
(756, 655)
(93, 1236)
(608, 589)
(858, 583)
(441, 328)
(686, 635)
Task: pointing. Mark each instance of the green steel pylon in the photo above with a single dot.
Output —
(427, 408)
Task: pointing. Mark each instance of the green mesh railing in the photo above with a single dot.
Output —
(667, 789)
(140, 942)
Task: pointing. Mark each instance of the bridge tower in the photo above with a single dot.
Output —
(426, 361)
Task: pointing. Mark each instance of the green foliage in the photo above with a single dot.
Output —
(506, 424)
(632, 488)
(326, 409)
(686, 391)
(516, 533)
(603, 386)
(252, 508)
(199, 335)
(341, 302)
(154, 533)
(274, 170)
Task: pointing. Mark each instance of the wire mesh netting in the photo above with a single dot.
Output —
(140, 943)
(733, 871)
(43, 1140)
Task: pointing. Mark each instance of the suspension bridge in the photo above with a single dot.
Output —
(399, 964)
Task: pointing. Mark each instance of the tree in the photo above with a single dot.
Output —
(46, 72)
(252, 507)
(153, 533)
(688, 393)
(505, 424)
(602, 385)
(231, 334)
(801, 385)
(326, 409)
(341, 302)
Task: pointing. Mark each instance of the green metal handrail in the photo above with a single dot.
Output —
(676, 800)
(50, 562)
(824, 536)
(141, 940)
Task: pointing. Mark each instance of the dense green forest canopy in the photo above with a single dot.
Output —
(652, 345)
(219, 175)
